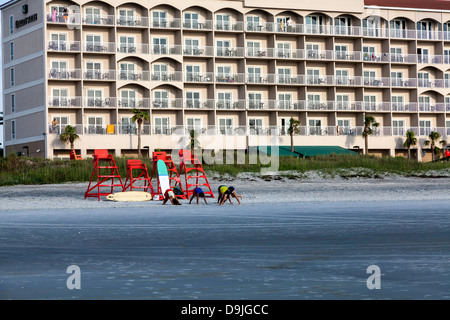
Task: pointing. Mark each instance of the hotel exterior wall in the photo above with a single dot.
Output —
(269, 91)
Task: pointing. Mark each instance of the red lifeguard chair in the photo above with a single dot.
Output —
(104, 172)
(142, 176)
(174, 178)
(195, 179)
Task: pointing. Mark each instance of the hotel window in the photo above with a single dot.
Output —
(344, 126)
(283, 49)
(341, 51)
(58, 41)
(255, 125)
(284, 101)
(342, 25)
(62, 122)
(223, 47)
(160, 45)
(127, 126)
(194, 124)
(446, 28)
(159, 18)
(370, 78)
(223, 21)
(397, 79)
(315, 127)
(12, 77)
(254, 48)
(191, 20)
(281, 24)
(424, 79)
(398, 127)
(314, 24)
(369, 53)
(60, 97)
(94, 98)
(127, 71)
(192, 47)
(223, 72)
(93, 42)
(398, 103)
(254, 75)
(446, 55)
(424, 127)
(372, 27)
(95, 125)
(447, 104)
(398, 28)
(160, 71)
(126, 17)
(314, 101)
(255, 100)
(424, 103)
(127, 44)
(193, 99)
(60, 67)
(396, 54)
(447, 80)
(342, 102)
(193, 73)
(93, 70)
(424, 30)
(11, 50)
(370, 102)
(13, 103)
(312, 51)
(342, 76)
(92, 15)
(284, 75)
(128, 98)
(253, 23)
(11, 24)
(226, 126)
(284, 126)
(224, 100)
(422, 55)
(313, 76)
(160, 99)
(162, 125)
(13, 129)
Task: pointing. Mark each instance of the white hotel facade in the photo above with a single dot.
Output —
(235, 70)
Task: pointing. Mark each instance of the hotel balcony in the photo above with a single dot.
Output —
(64, 74)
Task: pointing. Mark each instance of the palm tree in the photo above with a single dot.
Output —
(293, 129)
(410, 141)
(69, 135)
(433, 137)
(369, 121)
(194, 143)
(139, 117)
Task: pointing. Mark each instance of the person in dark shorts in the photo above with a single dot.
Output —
(198, 193)
(230, 192)
(221, 191)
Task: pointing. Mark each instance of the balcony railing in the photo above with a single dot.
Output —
(64, 74)
(99, 75)
(137, 48)
(65, 102)
(137, 21)
(98, 19)
(100, 47)
(167, 23)
(64, 46)
(100, 102)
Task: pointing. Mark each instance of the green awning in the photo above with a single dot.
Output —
(306, 151)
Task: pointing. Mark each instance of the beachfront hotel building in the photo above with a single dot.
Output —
(235, 70)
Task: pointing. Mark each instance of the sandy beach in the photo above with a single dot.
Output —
(255, 189)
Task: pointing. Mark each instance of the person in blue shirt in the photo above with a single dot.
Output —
(198, 193)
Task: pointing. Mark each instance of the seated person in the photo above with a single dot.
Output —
(198, 192)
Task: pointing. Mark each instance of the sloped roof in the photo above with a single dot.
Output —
(415, 4)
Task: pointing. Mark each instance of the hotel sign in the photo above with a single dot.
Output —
(27, 20)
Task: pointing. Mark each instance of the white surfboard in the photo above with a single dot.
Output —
(130, 196)
(163, 176)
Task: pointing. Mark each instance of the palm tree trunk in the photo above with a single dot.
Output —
(292, 141)
(366, 144)
(409, 153)
(139, 139)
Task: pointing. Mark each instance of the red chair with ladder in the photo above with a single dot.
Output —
(174, 178)
(104, 173)
(195, 179)
(142, 176)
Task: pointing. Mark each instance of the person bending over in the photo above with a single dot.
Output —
(198, 193)
(169, 195)
(230, 192)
